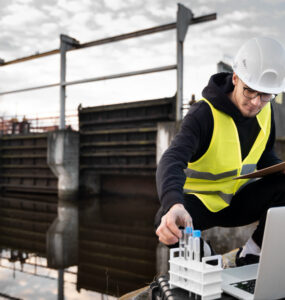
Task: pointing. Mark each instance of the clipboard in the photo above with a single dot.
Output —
(266, 171)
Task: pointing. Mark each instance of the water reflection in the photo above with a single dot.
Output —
(33, 280)
(117, 244)
(115, 240)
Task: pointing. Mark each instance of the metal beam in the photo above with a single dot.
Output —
(117, 38)
(184, 18)
(120, 75)
(30, 89)
(60, 285)
(114, 76)
(66, 43)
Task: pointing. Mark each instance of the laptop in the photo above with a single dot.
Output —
(265, 280)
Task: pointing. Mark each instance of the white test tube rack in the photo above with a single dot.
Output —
(197, 277)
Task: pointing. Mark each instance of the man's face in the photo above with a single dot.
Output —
(247, 106)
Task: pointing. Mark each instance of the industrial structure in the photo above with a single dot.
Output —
(87, 197)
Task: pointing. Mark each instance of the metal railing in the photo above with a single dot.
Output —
(184, 18)
(38, 124)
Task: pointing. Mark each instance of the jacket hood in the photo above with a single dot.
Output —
(217, 90)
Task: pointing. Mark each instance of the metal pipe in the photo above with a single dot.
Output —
(117, 38)
(120, 75)
(30, 89)
(30, 57)
(66, 43)
(60, 286)
(63, 48)
(184, 18)
(179, 96)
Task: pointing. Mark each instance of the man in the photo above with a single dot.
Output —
(229, 133)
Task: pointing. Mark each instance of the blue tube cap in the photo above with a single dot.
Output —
(188, 230)
(197, 233)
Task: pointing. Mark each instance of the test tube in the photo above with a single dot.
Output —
(187, 235)
(191, 246)
(181, 243)
(196, 236)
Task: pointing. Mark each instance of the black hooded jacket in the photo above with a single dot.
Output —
(194, 138)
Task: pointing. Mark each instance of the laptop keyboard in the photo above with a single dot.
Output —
(247, 285)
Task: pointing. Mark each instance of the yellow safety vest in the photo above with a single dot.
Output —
(210, 177)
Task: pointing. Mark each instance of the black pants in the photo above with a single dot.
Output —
(250, 204)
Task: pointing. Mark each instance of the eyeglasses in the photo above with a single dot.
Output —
(251, 94)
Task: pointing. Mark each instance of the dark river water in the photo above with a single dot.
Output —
(112, 239)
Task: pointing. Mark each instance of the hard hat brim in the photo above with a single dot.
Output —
(262, 89)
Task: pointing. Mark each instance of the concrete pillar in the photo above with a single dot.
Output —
(63, 159)
(162, 258)
(62, 236)
(165, 133)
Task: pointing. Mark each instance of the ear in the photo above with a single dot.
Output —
(235, 79)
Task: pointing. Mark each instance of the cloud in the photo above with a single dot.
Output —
(24, 1)
(116, 4)
(236, 16)
(73, 6)
(19, 15)
(31, 26)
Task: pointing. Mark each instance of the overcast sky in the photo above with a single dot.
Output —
(30, 26)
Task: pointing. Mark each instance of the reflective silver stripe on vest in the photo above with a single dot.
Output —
(247, 169)
(226, 197)
(209, 176)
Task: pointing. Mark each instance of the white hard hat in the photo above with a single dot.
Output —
(260, 64)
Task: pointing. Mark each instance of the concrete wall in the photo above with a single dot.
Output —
(226, 239)
(280, 148)
(279, 115)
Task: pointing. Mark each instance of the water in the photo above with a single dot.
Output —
(33, 280)
(112, 240)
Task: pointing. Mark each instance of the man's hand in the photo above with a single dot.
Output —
(168, 231)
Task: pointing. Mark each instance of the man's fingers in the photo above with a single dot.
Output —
(173, 226)
(185, 219)
(165, 235)
(168, 230)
